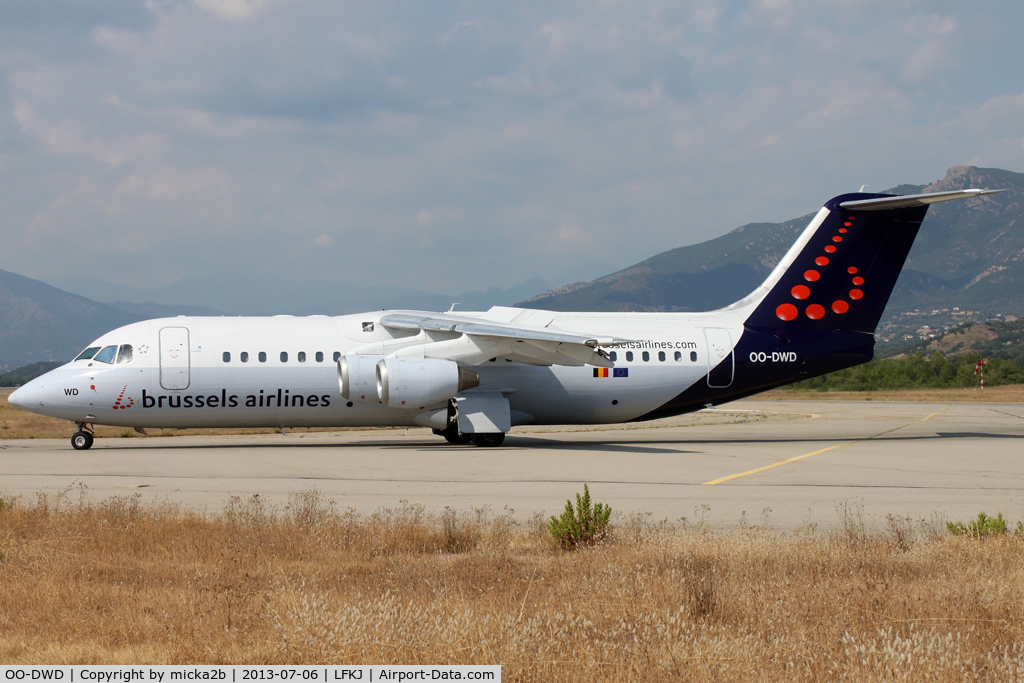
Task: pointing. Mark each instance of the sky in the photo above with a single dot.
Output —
(455, 146)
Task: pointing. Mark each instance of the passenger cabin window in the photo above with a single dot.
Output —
(284, 356)
(661, 356)
(244, 356)
(367, 327)
(337, 356)
(226, 356)
(693, 356)
(679, 356)
(106, 355)
(614, 356)
(263, 356)
(124, 355)
(319, 356)
(302, 356)
(646, 356)
(88, 353)
(629, 356)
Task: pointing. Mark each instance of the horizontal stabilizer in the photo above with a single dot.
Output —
(911, 200)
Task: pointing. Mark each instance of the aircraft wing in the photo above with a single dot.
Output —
(525, 343)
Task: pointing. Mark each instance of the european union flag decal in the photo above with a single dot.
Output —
(620, 372)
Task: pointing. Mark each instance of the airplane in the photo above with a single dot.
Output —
(472, 376)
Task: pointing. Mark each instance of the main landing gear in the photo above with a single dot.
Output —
(82, 439)
(489, 440)
(452, 435)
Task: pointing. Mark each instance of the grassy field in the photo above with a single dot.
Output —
(116, 581)
(1009, 393)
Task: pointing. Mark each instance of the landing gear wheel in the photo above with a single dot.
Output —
(81, 441)
(452, 434)
(489, 440)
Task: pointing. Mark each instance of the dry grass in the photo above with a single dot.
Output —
(117, 581)
(1010, 393)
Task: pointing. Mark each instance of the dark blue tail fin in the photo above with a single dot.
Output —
(840, 273)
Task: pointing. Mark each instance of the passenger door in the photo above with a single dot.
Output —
(174, 358)
(720, 357)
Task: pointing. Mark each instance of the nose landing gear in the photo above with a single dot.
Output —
(82, 439)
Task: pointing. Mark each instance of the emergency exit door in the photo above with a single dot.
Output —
(174, 358)
(720, 357)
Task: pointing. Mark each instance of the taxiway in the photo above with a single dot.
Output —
(792, 462)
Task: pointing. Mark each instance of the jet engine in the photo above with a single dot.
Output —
(357, 378)
(417, 383)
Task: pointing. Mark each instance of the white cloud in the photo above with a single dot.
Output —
(67, 137)
(169, 183)
(232, 9)
(456, 139)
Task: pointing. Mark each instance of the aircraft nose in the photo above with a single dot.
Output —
(24, 396)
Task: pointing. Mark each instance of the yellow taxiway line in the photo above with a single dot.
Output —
(818, 452)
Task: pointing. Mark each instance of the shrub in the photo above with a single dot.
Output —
(983, 526)
(586, 525)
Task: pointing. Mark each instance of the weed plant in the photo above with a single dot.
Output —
(117, 581)
(585, 525)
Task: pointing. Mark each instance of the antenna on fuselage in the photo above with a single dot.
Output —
(451, 309)
(863, 187)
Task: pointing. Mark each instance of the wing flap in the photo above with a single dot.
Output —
(541, 344)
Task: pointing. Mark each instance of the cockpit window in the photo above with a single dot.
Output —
(106, 355)
(125, 354)
(88, 353)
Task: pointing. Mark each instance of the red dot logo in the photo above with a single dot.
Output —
(821, 260)
(856, 294)
(815, 311)
(840, 306)
(848, 223)
(837, 238)
(851, 270)
(812, 275)
(786, 312)
(830, 249)
(800, 292)
(843, 230)
(858, 281)
(128, 402)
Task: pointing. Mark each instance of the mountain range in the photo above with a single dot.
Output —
(40, 322)
(968, 255)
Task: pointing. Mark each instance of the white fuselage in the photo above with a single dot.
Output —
(189, 371)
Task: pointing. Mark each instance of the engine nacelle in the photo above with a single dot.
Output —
(417, 383)
(357, 378)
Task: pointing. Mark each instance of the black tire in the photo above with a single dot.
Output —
(452, 435)
(489, 440)
(81, 441)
